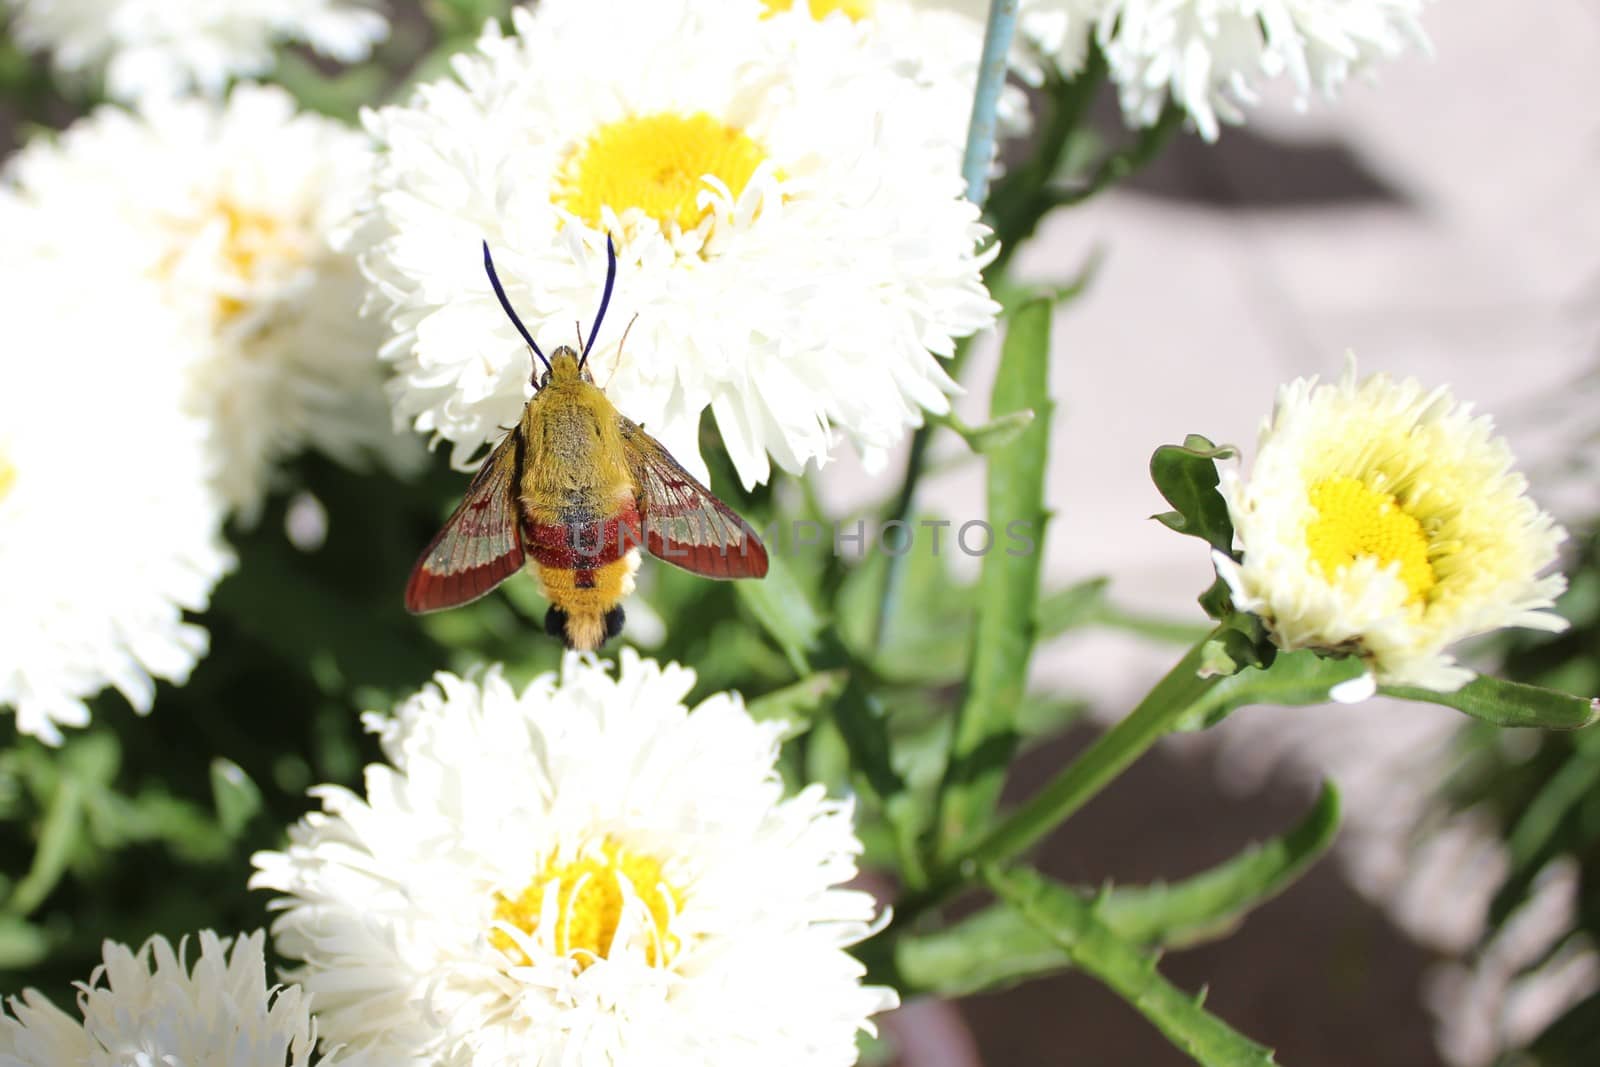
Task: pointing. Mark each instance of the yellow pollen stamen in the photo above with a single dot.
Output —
(8, 477)
(856, 10)
(1354, 520)
(656, 163)
(591, 892)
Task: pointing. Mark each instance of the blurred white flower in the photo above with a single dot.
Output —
(1209, 56)
(586, 872)
(1060, 30)
(223, 213)
(150, 1009)
(935, 44)
(792, 236)
(109, 527)
(1384, 519)
(151, 48)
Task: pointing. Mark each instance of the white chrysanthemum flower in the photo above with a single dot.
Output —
(936, 44)
(586, 872)
(227, 209)
(1384, 519)
(792, 237)
(1209, 56)
(150, 1009)
(109, 527)
(152, 48)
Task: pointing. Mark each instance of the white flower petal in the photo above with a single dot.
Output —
(393, 900)
(151, 1007)
(1208, 56)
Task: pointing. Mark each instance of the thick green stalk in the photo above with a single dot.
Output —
(1163, 707)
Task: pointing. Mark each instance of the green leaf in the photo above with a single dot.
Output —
(340, 96)
(1503, 703)
(992, 435)
(862, 722)
(1070, 921)
(465, 16)
(57, 839)
(1212, 903)
(1012, 295)
(1535, 837)
(998, 945)
(860, 719)
(1294, 679)
(985, 734)
(236, 797)
(995, 948)
(1067, 609)
(785, 611)
(1186, 475)
(22, 944)
(798, 704)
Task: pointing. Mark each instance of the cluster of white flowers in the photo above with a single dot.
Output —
(789, 220)
(1210, 57)
(222, 215)
(584, 872)
(146, 48)
(149, 1008)
(190, 320)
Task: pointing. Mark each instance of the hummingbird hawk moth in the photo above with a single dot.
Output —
(572, 491)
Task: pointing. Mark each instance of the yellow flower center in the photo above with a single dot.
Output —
(1354, 520)
(591, 893)
(656, 163)
(857, 10)
(8, 477)
(255, 245)
(253, 242)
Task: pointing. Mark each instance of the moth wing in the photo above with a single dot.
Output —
(481, 543)
(684, 523)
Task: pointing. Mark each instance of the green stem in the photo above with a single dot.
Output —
(1028, 190)
(1109, 756)
(1024, 197)
(1119, 165)
(55, 848)
(894, 571)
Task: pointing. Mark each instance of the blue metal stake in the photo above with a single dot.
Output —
(991, 79)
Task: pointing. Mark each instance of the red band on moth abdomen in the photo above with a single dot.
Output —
(583, 546)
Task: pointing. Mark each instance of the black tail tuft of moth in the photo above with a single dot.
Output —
(555, 623)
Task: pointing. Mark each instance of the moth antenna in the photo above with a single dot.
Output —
(626, 330)
(605, 299)
(499, 291)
